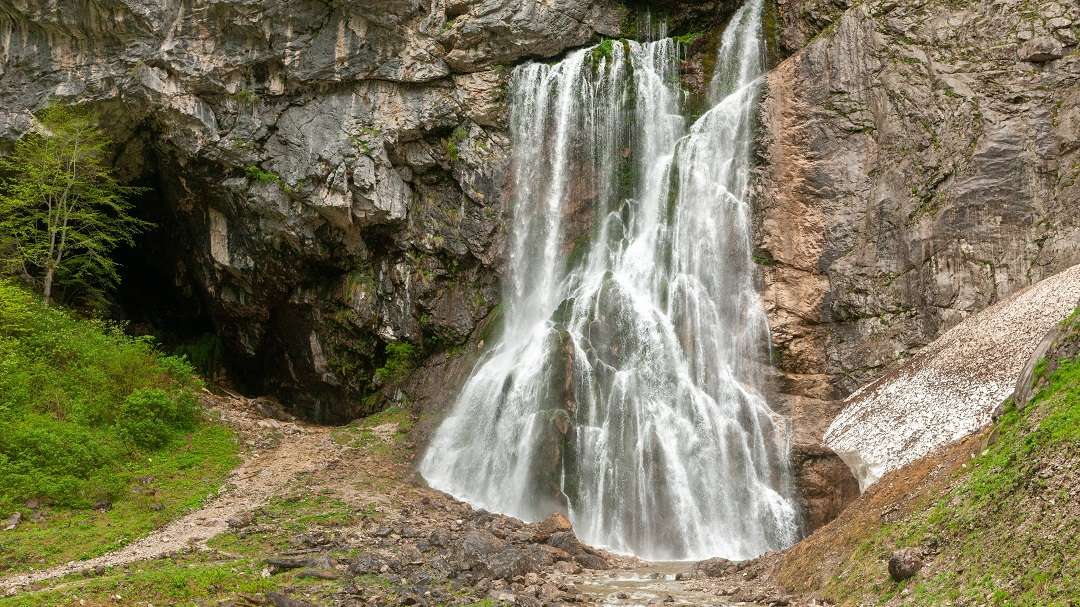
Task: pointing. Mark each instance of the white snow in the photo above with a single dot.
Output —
(951, 387)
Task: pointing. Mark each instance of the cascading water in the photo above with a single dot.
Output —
(623, 388)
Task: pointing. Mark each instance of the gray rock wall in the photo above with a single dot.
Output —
(334, 172)
(921, 164)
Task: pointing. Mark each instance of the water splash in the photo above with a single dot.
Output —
(623, 388)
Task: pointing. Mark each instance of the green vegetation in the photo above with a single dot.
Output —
(605, 50)
(256, 173)
(688, 38)
(206, 353)
(62, 213)
(459, 135)
(763, 257)
(1005, 532)
(90, 417)
(400, 361)
(365, 139)
(382, 433)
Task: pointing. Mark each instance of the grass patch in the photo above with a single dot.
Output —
(190, 581)
(162, 488)
(383, 433)
(603, 51)
(283, 518)
(92, 417)
(260, 175)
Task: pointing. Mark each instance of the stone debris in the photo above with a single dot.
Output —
(951, 387)
(13, 521)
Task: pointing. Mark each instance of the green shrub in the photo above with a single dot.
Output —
(399, 362)
(79, 400)
(150, 417)
(205, 353)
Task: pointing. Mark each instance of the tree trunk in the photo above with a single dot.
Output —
(47, 291)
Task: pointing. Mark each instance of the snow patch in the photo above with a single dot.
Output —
(950, 389)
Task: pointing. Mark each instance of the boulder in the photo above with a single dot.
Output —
(476, 546)
(1041, 50)
(591, 561)
(555, 523)
(904, 564)
(715, 567)
(565, 540)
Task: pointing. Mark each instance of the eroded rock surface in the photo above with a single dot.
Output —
(921, 165)
(332, 175)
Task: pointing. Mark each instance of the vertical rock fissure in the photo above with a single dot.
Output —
(625, 389)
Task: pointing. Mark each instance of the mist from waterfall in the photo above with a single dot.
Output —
(623, 388)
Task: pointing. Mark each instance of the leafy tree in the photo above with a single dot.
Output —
(62, 213)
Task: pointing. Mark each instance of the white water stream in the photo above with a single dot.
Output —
(624, 388)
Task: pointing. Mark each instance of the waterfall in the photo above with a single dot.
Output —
(623, 388)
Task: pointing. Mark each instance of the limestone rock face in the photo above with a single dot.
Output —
(331, 176)
(921, 164)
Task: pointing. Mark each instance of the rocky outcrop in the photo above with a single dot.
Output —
(952, 386)
(921, 165)
(330, 176)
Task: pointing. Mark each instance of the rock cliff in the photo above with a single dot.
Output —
(328, 176)
(921, 164)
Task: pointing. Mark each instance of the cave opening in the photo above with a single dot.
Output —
(157, 294)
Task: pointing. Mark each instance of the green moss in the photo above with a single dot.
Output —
(603, 51)
(260, 175)
(399, 363)
(688, 38)
(763, 257)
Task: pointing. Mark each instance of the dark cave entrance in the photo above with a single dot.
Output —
(157, 294)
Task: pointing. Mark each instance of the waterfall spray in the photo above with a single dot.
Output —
(623, 388)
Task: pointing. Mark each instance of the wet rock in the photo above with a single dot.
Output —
(565, 540)
(904, 563)
(556, 523)
(715, 567)
(591, 561)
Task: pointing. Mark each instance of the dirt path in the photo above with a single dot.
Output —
(299, 449)
(389, 518)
